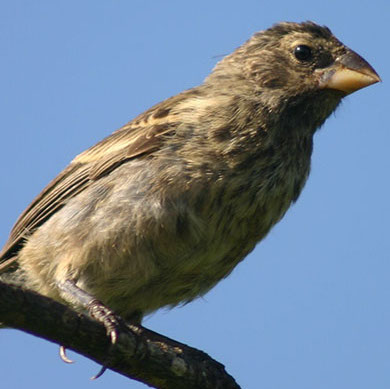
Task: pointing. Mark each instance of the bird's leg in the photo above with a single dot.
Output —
(96, 309)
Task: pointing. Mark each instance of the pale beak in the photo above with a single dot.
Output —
(349, 73)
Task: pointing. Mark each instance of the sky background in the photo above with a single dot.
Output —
(309, 308)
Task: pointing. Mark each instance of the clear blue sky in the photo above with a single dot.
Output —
(309, 308)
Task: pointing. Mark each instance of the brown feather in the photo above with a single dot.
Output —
(141, 136)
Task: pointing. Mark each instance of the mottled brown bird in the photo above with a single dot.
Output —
(161, 210)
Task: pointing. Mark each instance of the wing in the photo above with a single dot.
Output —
(139, 137)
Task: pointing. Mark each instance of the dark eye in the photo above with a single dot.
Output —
(303, 53)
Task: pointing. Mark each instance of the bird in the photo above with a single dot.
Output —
(161, 210)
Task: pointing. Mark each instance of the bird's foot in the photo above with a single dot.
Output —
(104, 315)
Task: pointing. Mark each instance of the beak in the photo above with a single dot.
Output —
(349, 73)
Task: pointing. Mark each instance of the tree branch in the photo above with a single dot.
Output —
(139, 353)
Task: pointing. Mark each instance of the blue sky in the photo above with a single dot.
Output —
(309, 308)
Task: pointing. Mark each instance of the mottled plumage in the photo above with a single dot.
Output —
(161, 210)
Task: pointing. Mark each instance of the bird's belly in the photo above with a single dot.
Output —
(154, 252)
(169, 274)
(187, 262)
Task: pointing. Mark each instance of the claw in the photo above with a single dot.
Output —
(113, 336)
(104, 315)
(99, 374)
(63, 355)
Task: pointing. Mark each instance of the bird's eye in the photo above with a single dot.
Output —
(303, 53)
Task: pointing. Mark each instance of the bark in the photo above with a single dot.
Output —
(139, 353)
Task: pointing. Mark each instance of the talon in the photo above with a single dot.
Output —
(104, 315)
(100, 373)
(63, 355)
(113, 336)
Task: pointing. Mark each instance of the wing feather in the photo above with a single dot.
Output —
(140, 137)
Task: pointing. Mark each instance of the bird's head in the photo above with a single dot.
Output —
(298, 69)
(296, 58)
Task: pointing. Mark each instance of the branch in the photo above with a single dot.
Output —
(139, 353)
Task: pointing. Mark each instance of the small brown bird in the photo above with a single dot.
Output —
(160, 211)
